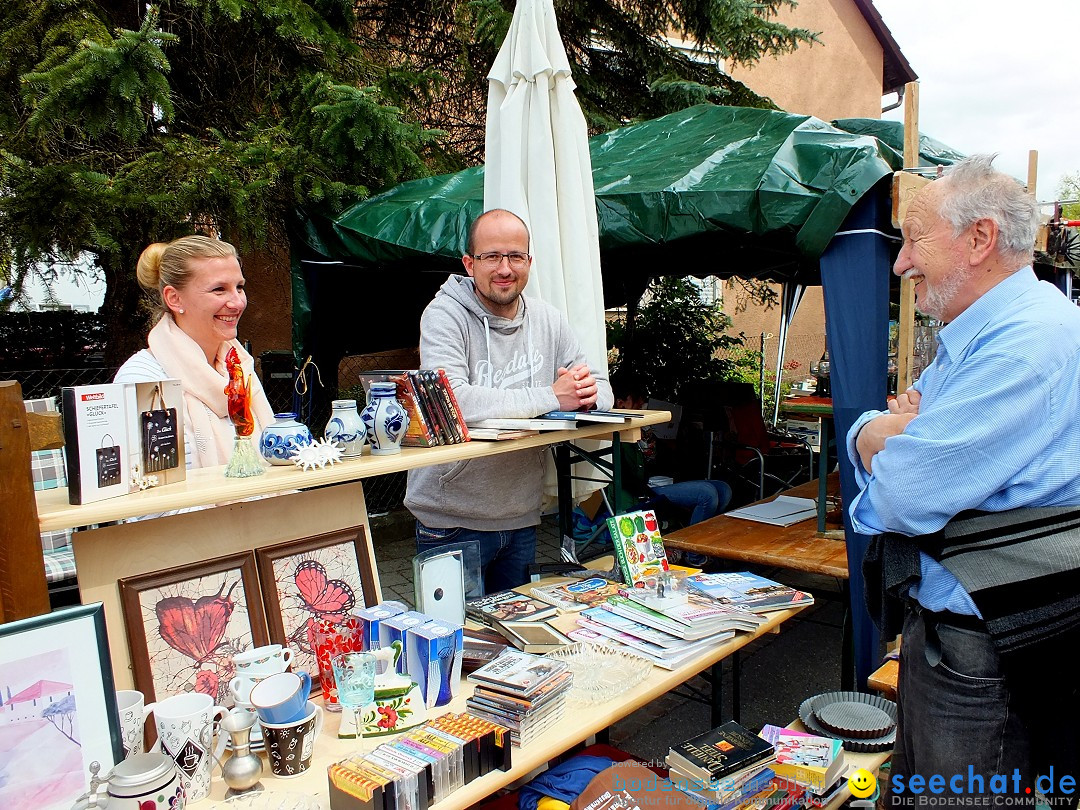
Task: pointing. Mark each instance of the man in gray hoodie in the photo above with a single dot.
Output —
(506, 356)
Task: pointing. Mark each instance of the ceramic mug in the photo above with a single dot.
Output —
(185, 727)
(290, 745)
(133, 713)
(282, 698)
(263, 661)
(240, 687)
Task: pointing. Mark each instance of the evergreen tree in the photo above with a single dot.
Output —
(121, 123)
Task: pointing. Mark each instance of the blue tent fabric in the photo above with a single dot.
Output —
(565, 781)
(855, 270)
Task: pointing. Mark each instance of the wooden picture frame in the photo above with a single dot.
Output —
(185, 624)
(323, 576)
(59, 707)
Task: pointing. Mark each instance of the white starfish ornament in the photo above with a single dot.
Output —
(317, 454)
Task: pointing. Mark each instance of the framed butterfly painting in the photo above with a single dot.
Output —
(321, 577)
(185, 624)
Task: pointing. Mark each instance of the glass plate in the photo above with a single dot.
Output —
(269, 800)
(601, 673)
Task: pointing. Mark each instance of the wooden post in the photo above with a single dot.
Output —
(1033, 170)
(23, 589)
(905, 349)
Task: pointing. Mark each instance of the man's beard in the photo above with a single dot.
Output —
(939, 297)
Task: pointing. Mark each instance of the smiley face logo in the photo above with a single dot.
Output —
(862, 784)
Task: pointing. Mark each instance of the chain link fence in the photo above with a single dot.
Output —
(39, 383)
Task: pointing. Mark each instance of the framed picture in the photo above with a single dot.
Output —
(57, 707)
(185, 625)
(320, 577)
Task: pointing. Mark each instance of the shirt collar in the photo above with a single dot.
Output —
(956, 335)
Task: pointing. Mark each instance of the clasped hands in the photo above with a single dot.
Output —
(871, 439)
(575, 388)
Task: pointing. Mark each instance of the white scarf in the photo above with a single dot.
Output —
(204, 390)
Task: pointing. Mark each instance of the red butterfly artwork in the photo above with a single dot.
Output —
(196, 638)
(320, 584)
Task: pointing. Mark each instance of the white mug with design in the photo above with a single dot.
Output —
(130, 706)
(185, 726)
(262, 661)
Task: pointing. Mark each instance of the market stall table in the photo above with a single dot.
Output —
(303, 504)
(578, 723)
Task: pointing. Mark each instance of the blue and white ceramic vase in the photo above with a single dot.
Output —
(386, 421)
(345, 428)
(278, 440)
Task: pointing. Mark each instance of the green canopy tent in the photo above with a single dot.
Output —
(705, 191)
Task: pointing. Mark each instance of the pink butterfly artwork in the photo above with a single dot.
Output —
(321, 584)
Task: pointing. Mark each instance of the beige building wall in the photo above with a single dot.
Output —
(838, 77)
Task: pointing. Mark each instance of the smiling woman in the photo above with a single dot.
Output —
(197, 287)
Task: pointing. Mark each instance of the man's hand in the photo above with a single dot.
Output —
(576, 388)
(907, 402)
(871, 439)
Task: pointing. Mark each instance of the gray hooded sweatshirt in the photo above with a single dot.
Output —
(498, 367)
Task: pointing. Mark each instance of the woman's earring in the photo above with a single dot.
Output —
(180, 311)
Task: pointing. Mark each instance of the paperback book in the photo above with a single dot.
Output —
(816, 762)
(532, 637)
(624, 606)
(639, 547)
(699, 610)
(723, 750)
(554, 595)
(748, 591)
(506, 606)
(590, 592)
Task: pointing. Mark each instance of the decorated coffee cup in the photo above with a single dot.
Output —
(282, 698)
(290, 745)
(185, 726)
(130, 705)
(263, 661)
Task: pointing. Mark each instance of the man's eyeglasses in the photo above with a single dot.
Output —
(492, 260)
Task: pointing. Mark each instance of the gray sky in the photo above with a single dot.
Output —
(996, 76)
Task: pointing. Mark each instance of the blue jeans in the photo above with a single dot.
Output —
(705, 498)
(955, 711)
(505, 556)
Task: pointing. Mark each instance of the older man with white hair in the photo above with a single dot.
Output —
(971, 482)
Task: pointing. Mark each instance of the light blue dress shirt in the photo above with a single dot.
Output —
(998, 426)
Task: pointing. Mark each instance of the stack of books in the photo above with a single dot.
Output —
(519, 618)
(748, 591)
(667, 635)
(435, 417)
(727, 765)
(816, 763)
(522, 692)
(553, 420)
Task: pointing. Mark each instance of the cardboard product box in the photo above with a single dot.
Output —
(371, 617)
(96, 443)
(433, 654)
(156, 431)
(396, 628)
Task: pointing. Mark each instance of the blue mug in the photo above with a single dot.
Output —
(282, 698)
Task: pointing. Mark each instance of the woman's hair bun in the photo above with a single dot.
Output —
(148, 270)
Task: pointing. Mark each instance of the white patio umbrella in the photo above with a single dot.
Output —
(537, 165)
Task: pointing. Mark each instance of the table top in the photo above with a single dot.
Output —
(797, 547)
(819, 406)
(208, 486)
(578, 723)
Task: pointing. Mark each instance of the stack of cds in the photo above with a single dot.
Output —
(522, 692)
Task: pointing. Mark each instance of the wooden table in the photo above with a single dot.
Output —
(303, 504)
(798, 547)
(578, 723)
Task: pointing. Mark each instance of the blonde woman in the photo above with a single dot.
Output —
(197, 288)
